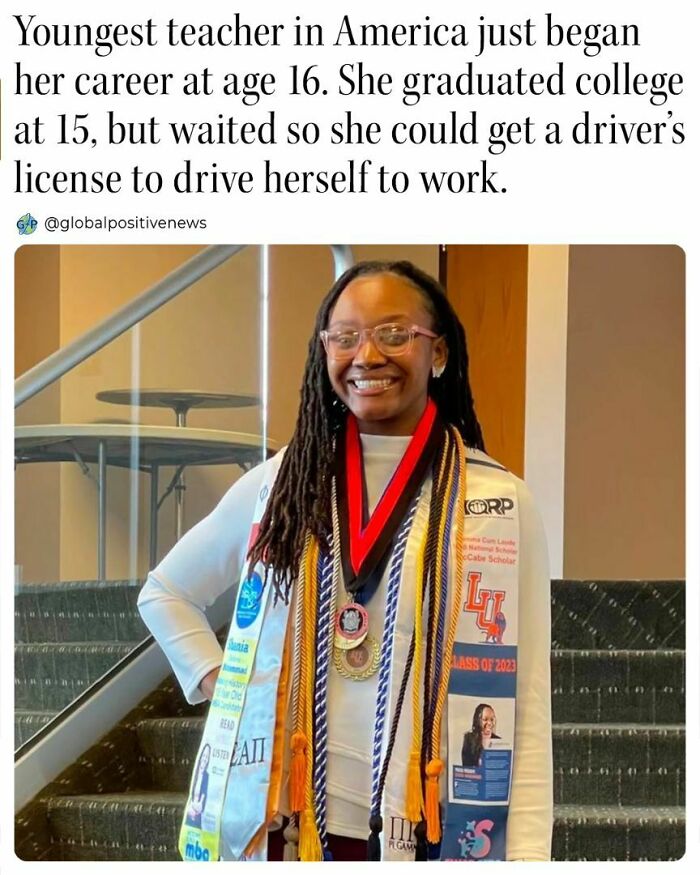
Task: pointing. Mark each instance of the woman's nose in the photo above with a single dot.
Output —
(367, 352)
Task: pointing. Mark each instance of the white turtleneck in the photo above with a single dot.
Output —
(208, 560)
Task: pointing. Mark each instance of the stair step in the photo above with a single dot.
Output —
(145, 826)
(612, 832)
(29, 722)
(116, 826)
(618, 614)
(79, 610)
(619, 764)
(50, 676)
(609, 686)
(593, 763)
(170, 746)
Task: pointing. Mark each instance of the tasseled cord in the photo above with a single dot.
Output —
(421, 842)
(374, 848)
(297, 771)
(310, 850)
(414, 789)
(432, 800)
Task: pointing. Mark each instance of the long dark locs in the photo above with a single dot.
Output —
(300, 501)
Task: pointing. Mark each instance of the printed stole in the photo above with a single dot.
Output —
(484, 669)
(240, 727)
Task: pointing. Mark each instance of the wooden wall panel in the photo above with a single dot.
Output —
(624, 512)
(487, 286)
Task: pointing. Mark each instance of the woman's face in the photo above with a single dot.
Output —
(387, 394)
(488, 722)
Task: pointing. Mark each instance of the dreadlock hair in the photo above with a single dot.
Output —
(300, 500)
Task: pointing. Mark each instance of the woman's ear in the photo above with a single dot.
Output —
(439, 357)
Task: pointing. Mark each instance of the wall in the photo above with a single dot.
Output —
(625, 421)
(545, 390)
(487, 286)
(37, 334)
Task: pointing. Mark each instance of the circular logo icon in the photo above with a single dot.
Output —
(249, 601)
(477, 506)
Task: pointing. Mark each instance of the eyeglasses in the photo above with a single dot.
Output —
(391, 339)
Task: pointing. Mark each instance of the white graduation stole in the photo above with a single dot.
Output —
(484, 664)
(239, 729)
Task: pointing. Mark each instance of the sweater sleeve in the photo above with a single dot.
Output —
(530, 819)
(206, 562)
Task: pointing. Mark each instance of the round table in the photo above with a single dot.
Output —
(145, 447)
(180, 401)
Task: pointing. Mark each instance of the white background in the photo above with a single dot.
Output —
(566, 194)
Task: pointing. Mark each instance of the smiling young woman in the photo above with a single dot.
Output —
(381, 351)
(364, 631)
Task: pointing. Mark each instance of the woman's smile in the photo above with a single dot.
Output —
(371, 385)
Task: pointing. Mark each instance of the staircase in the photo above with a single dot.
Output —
(618, 698)
(67, 635)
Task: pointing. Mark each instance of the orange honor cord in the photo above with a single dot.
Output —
(280, 722)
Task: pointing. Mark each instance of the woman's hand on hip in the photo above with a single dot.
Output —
(208, 682)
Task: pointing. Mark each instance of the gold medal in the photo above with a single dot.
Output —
(351, 626)
(359, 663)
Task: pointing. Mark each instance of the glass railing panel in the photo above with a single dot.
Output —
(174, 410)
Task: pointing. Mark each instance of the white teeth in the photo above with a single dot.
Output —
(372, 384)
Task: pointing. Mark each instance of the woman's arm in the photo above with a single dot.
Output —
(206, 562)
(531, 806)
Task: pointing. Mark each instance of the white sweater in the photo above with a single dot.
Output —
(209, 560)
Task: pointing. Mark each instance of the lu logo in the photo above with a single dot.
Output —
(487, 604)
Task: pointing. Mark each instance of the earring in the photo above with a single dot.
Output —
(437, 371)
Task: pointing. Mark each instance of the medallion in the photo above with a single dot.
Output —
(359, 663)
(351, 626)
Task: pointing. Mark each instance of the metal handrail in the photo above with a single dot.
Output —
(65, 359)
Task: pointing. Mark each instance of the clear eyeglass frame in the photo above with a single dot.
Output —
(379, 335)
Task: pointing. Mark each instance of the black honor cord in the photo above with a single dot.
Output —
(375, 819)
